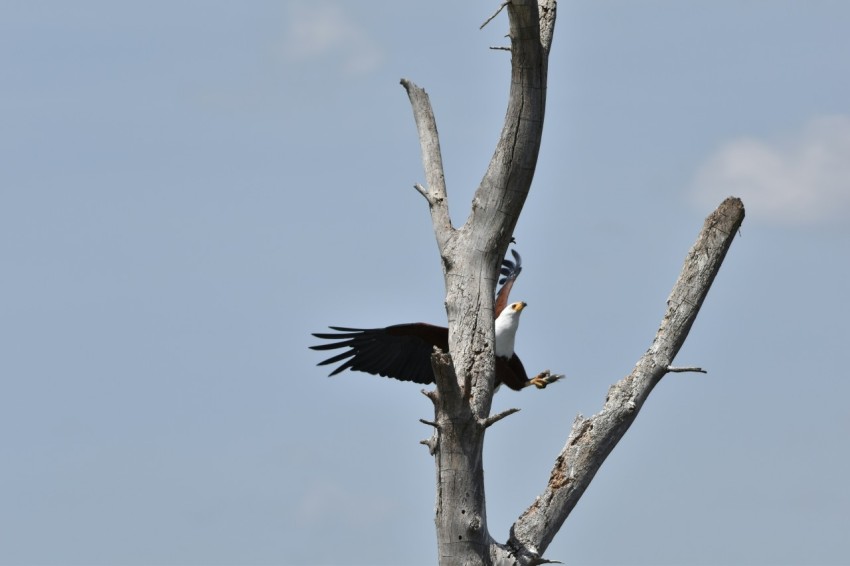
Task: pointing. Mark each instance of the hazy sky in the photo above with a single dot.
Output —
(188, 189)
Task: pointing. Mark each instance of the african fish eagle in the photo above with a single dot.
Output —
(403, 351)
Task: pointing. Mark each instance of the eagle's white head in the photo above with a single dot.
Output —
(506, 327)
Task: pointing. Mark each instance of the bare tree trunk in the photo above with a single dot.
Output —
(470, 257)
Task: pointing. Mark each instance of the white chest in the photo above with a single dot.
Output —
(506, 327)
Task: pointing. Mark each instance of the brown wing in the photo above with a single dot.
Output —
(511, 372)
(402, 351)
(510, 271)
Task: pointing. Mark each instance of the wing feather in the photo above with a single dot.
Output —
(510, 270)
(402, 351)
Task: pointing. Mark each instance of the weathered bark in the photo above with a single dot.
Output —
(470, 257)
(591, 440)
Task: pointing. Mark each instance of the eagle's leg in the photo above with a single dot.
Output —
(544, 378)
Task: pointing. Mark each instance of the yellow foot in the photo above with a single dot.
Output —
(544, 378)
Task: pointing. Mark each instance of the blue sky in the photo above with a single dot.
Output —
(189, 189)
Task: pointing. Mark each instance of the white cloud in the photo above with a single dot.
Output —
(800, 180)
(320, 30)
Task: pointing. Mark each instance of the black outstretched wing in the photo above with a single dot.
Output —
(509, 272)
(402, 351)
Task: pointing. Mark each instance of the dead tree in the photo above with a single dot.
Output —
(465, 375)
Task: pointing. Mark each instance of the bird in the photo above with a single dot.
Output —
(403, 351)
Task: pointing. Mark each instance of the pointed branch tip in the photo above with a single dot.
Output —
(674, 369)
(498, 11)
(493, 419)
(432, 395)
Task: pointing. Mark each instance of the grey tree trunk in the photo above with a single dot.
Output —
(470, 257)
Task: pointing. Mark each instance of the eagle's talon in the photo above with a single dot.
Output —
(544, 378)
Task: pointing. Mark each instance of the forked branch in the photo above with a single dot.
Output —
(470, 258)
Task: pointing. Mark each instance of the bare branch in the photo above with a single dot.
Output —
(498, 11)
(505, 185)
(493, 419)
(432, 161)
(674, 369)
(591, 440)
(431, 443)
(431, 394)
(422, 192)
